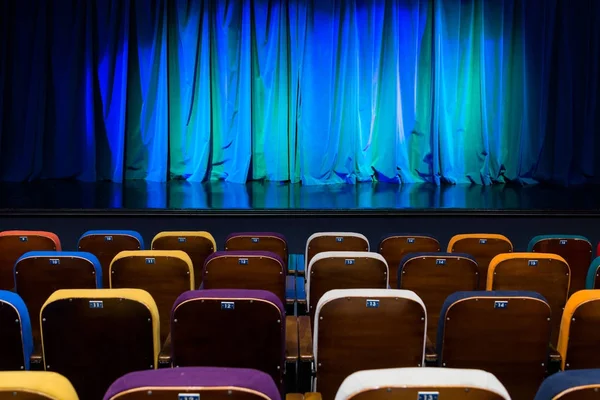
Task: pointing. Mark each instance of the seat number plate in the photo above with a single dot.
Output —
(501, 304)
(243, 261)
(188, 396)
(96, 304)
(372, 303)
(428, 395)
(440, 261)
(227, 305)
(532, 263)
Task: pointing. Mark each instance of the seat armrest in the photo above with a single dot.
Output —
(294, 396)
(291, 264)
(36, 361)
(306, 396)
(431, 357)
(305, 339)
(290, 289)
(164, 357)
(300, 267)
(554, 361)
(291, 339)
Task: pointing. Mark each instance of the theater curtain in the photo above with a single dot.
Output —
(317, 91)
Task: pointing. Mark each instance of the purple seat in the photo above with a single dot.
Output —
(252, 384)
(229, 328)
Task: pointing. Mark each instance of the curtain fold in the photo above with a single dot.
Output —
(311, 91)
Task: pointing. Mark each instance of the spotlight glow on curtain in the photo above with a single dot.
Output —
(317, 91)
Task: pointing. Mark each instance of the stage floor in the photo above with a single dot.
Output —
(284, 198)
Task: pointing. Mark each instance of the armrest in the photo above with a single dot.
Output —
(431, 356)
(554, 361)
(300, 265)
(290, 289)
(291, 339)
(300, 290)
(291, 264)
(305, 338)
(36, 361)
(307, 396)
(164, 357)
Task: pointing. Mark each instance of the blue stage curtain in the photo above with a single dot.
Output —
(311, 91)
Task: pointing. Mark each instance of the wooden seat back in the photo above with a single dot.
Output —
(259, 241)
(395, 247)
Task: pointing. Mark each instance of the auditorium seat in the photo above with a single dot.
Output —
(106, 244)
(593, 275)
(343, 270)
(483, 247)
(197, 244)
(578, 342)
(194, 383)
(506, 333)
(165, 274)
(395, 247)
(331, 241)
(16, 343)
(422, 383)
(358, 329)
(261, 270)
(581, 384)
(260, 241)
(92, 337)
(434, 277)
(233, 328)
(546, 274)
(13, 244)
(38, 274)
(35, 385)
(576, 250)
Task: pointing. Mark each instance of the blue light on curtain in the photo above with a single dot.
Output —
(311, 91)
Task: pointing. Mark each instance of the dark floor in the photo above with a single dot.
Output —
(292, 198)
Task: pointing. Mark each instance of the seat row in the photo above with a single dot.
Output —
(94, 336)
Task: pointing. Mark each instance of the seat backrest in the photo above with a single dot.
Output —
(165, 274)
(434, 277)
(258, 241)
(259, 270)
(593, 276)
(105, 245)
(13, 244)
(422, 383)
(197, 244)
(546, 274)
(16, 343)
(483, 247)
(395, 247)
(578, 340)
(35, 385)
(92, 337)
(576, 250)
(358, 329)
(343, 270)
(506, 333)
(238, 329)
(571, 385)
(334, 241)
(38, 274)
(196, 382)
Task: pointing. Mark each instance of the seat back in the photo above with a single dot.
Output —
(195, 382)
(395, 247)
(576, 250)
(229, 328)
(162, 273)
(593, 276)
(434, 277)
(363, 329)
(105, 245)
(35, 385)
(422, 383)
(571, 385)
(259, 270)
(334, 241)
(92, 337)
(258, 241)
(546, 274)
(38, 274)
(578, 341)
(13, 244)
(506, 333)
(197, 244)
(483, 247)
(343, 270)
(16, 343)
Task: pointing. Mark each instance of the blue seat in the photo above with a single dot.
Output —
(592, 275)
(16, 341)
(114, 232)
(506, 333)
(573, 384)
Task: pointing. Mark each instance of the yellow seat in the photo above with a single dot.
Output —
(35, 385)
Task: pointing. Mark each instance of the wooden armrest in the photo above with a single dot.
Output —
(305, 338)
(164, 357)
(306, 396)
(431, 356)
(290, 289)
(291, 339)
(554, 360)
(294, 396)
(36, 361)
